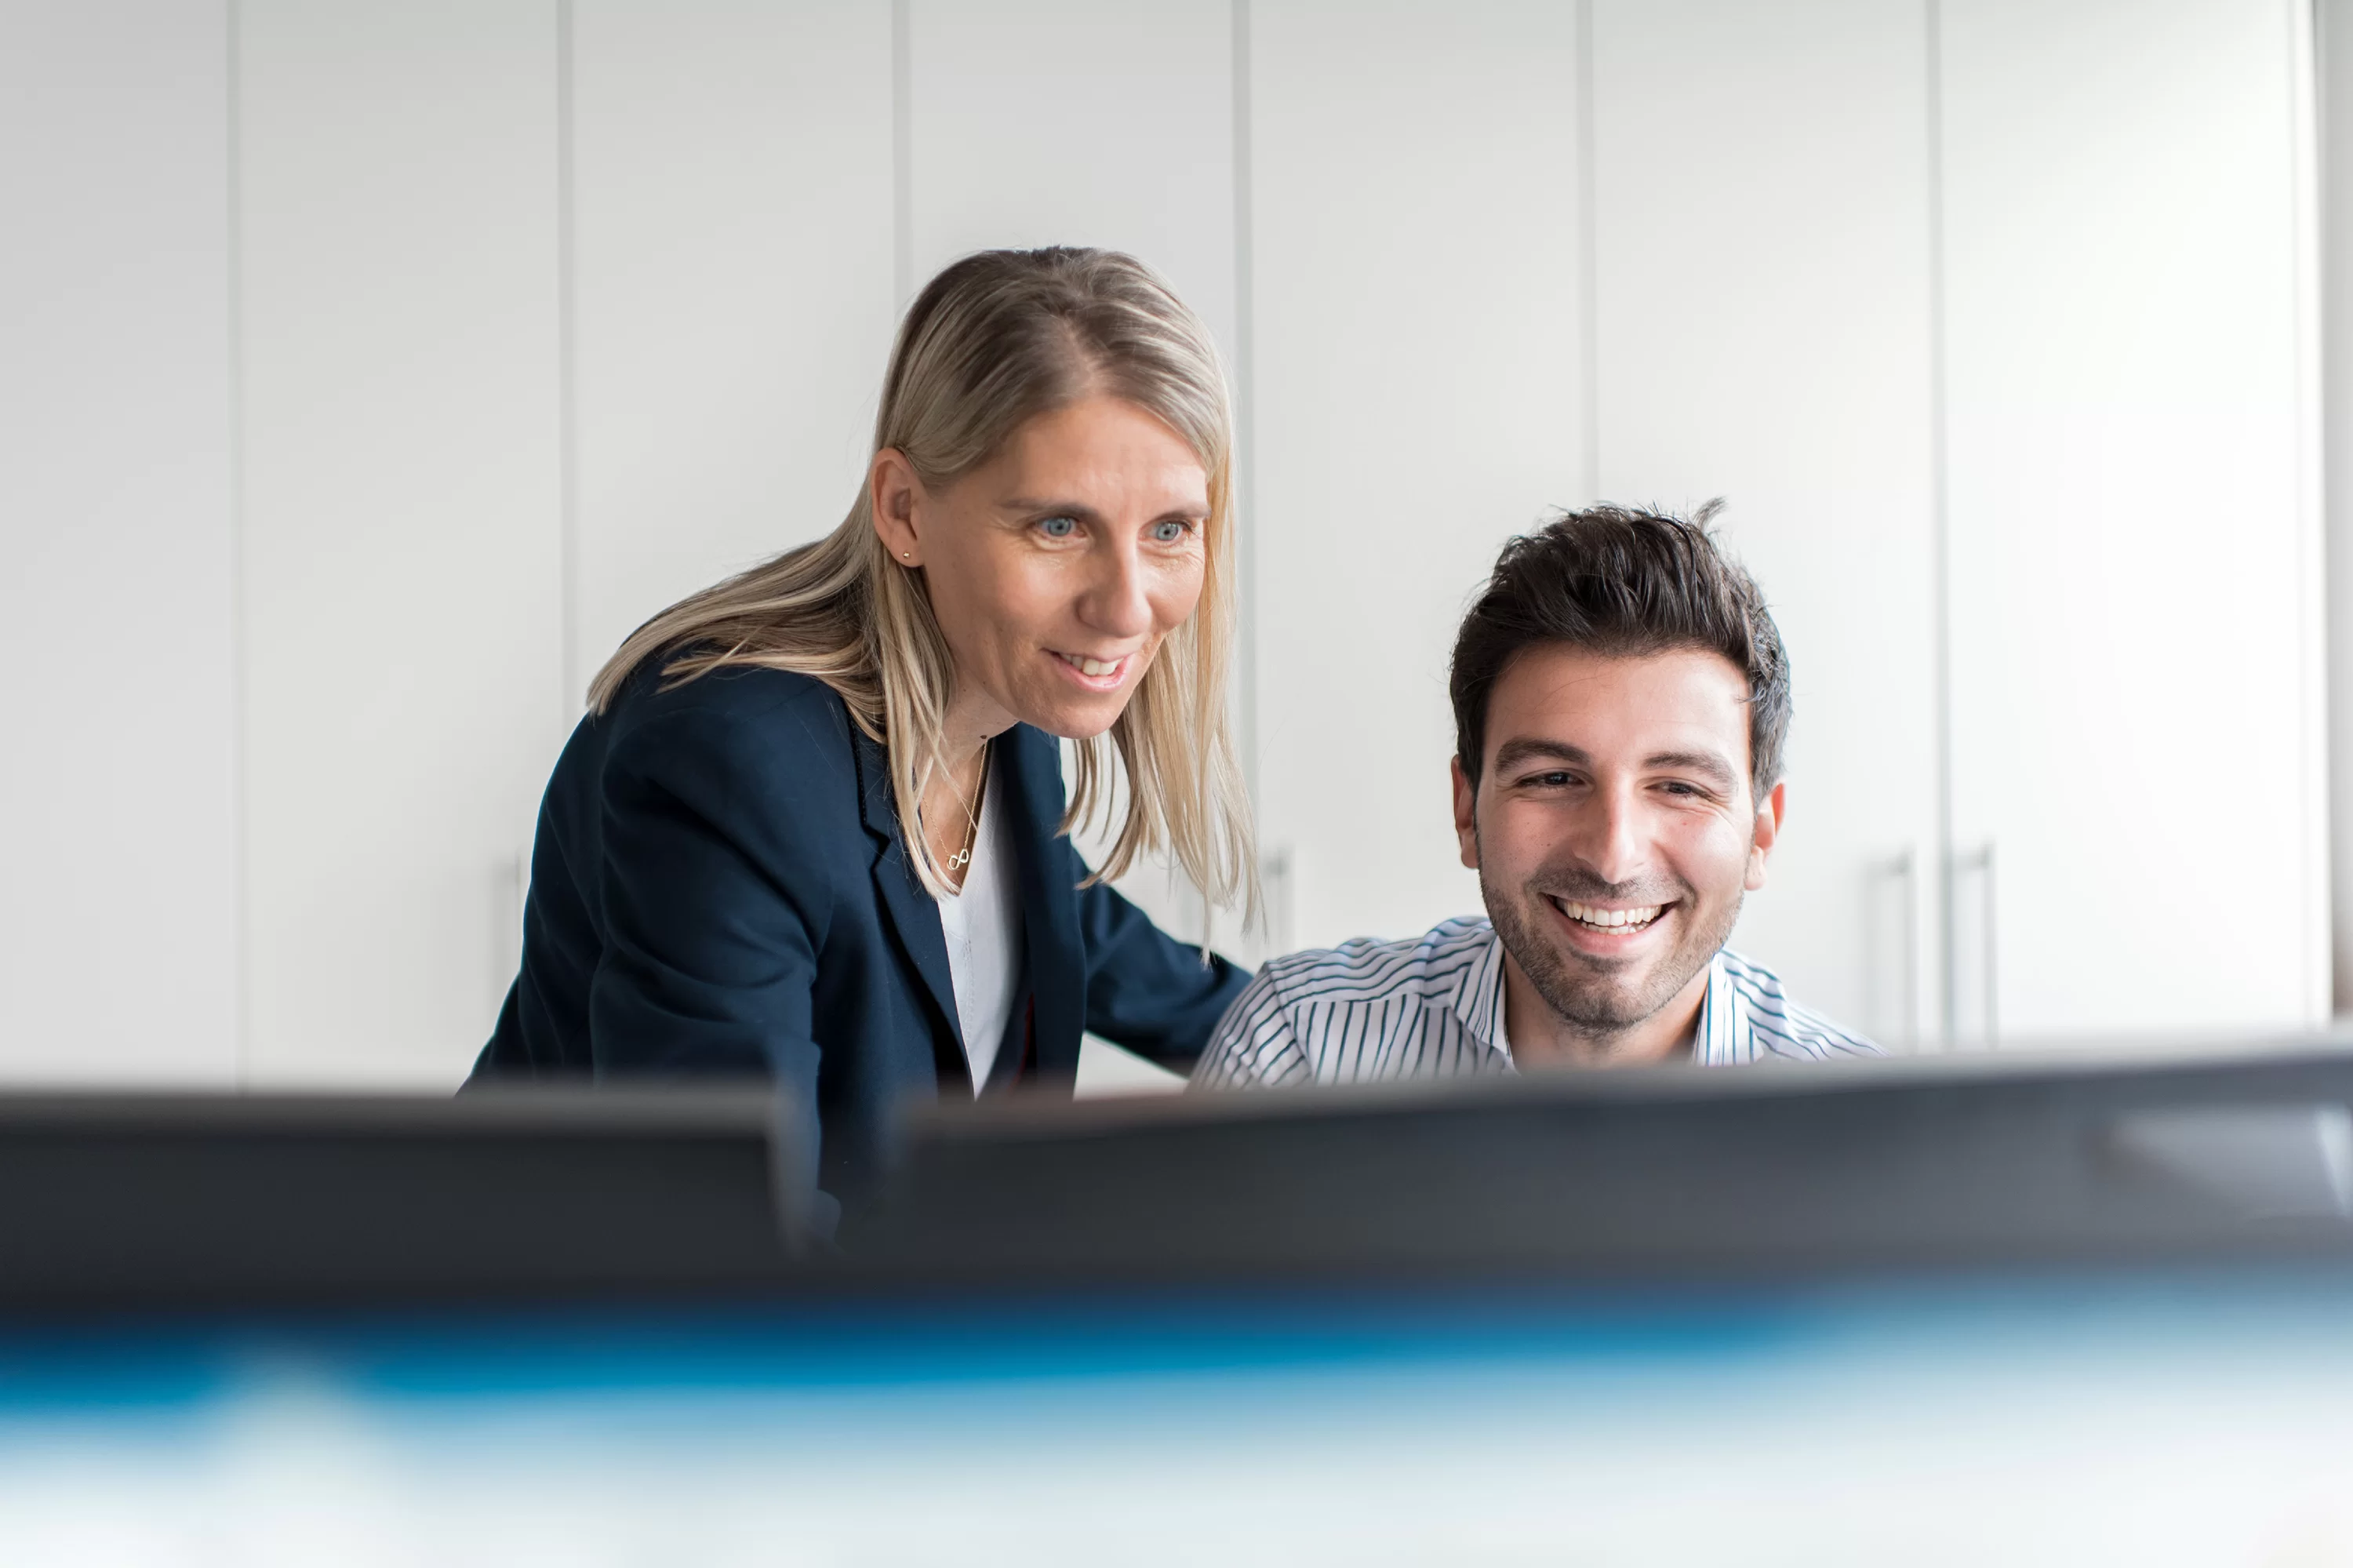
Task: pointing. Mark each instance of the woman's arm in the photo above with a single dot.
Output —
(1145, 990)
(712, 911)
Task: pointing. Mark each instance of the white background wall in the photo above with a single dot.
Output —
(728, 261)
(401, 554)
(2135, 565)
(119, 865)
(379, 368)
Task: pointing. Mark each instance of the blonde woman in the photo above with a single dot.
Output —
(814, 825)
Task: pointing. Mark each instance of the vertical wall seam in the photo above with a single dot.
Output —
(1589, 245)
(240, 745)
(1940, 525)
(902, 154)
(1246, 555)
(567, 370)
(2307, 149)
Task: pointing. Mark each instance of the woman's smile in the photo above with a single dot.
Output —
(1096, 675)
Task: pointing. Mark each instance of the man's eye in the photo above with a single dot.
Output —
(1171, 531)
(1059, 527)
(1547, 780)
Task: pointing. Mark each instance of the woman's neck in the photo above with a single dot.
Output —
(952, 795)
(973, 718)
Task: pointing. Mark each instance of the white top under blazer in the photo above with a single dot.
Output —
(983, 928)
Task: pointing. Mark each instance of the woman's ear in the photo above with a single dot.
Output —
(894, 494)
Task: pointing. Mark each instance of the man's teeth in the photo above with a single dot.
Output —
(1609, 920)
(1091, 666)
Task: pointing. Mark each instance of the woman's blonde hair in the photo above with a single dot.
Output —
(995, 340)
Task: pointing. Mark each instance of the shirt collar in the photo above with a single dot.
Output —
(1479, 996)
(1722, 1038)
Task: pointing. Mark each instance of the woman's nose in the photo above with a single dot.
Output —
(1115, 603)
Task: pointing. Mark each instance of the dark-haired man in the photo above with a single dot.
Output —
(1620, 701)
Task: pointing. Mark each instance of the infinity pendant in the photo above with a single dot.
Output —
(959, 860)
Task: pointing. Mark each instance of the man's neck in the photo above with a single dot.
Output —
(1542, 1038)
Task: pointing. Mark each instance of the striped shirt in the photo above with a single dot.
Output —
(1432, 1006)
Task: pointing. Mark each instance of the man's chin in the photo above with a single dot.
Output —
(1596, 982)
(1585, 990)
(1599, 1010)
(1602, 993)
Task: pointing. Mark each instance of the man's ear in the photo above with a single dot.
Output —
(1768, 829)
(1466, 818)
(894, 491)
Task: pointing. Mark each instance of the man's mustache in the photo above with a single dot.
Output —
(1579, 885)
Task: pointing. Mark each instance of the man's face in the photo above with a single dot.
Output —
(1614, 828)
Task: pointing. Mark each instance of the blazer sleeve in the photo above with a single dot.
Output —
(1145, 990)
(714, 905)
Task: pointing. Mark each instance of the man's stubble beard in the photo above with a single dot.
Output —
(1591, 999)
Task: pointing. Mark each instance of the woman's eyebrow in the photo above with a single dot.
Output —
(1074, 508)
(1188, 509)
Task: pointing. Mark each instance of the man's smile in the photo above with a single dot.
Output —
(1602, 918)
(1609, 930)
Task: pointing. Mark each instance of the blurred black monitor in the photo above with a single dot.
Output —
(1666, 1172)
(1658, 1174)
(162, 1200)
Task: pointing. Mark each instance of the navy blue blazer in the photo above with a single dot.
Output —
(719, 885)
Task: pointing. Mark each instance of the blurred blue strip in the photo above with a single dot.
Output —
(845, 1345)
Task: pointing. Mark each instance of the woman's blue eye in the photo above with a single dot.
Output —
(1059, 527)
(1170, 531)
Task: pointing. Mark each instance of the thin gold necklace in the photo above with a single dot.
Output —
(962, 857)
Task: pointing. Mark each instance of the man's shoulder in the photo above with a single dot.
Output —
(1782, 1026)
(1362, 1011)
(1367, 969)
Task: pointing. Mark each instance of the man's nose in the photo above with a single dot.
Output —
(1114, 602)
(1610, 838)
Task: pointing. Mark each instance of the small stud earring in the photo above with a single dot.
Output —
(906, 554)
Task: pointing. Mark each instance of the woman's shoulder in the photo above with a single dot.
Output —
(747, 715)
(658, 687)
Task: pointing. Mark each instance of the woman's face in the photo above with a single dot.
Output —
(1057, 567)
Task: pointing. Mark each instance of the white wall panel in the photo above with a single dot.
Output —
(1415, 264)
(118, 868)
(402, 579)
(2135, 650)
(732, 265)
(1762, 233)
(1102, 122)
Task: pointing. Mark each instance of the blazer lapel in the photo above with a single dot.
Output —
(1031, 774)
(909, 909)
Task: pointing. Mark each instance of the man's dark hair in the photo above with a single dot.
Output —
(1620, 581)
